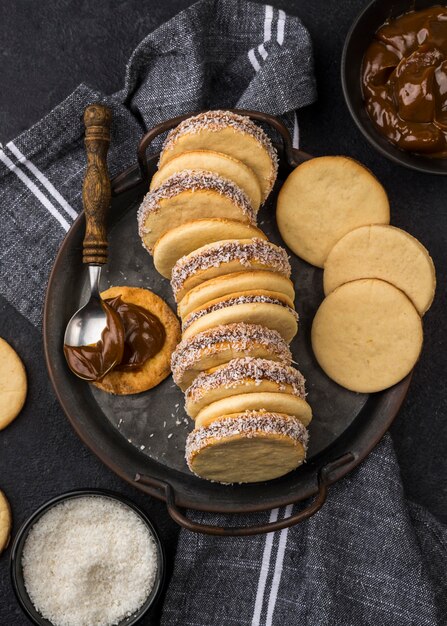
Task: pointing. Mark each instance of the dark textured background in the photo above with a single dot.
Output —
(47, 48)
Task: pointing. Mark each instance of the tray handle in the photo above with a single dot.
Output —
(324, 480)
(294, 157)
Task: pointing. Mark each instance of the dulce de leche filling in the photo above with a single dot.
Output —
(132, 336)
(404, 79)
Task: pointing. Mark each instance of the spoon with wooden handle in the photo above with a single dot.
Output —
(86, 326)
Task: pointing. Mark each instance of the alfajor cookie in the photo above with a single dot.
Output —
(228, 133)
(325, 198)
(239, 282)
(222, 164)
(227, 257)
(367, 335)
(242, 376)
(218, 345)
(247, 447)
(5, 521)
(266, 308)
(155, 369)
(271, 402)
(384, 252)
(13, 384)
(219, 302)
(188, 196)
(186, 238)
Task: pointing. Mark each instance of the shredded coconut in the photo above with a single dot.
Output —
(89, 560)
(249, 424)
(223, 304)
(240, 336)
(233, 373)
(246, 252)
(193, 180)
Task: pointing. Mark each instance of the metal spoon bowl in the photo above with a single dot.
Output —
(86, 325)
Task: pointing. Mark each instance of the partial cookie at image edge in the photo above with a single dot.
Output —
(13, 384)
(5, 521)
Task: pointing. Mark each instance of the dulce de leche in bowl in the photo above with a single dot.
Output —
(404, 81)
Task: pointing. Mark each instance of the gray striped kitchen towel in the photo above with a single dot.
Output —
(369, 556)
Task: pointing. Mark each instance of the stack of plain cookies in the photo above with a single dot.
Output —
(378, 280)
(234, 296)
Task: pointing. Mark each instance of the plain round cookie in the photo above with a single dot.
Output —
(5, 521)
(222, 164)
(13, 384)
(367, 335)
(156, 369)
(384, 252)
(325, 198)
(184, 239)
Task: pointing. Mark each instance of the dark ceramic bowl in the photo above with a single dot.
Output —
(358, 39)
(19, 542)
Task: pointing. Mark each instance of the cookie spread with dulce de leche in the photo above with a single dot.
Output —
(404, 80)
(132, 336)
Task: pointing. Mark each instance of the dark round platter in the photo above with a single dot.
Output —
(142, 437)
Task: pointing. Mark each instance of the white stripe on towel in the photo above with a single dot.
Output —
(296, 132)
(253, 60)
(35, 190)
(265, 567)
(42, 178)
(278, 569)
(280, 27)
(268, 22)
(268, 18)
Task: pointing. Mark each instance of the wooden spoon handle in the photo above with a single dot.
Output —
(96, 190)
